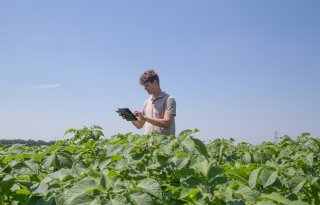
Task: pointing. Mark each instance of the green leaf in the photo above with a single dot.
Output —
(189, 145)
(268, 176)
(180, 162)
(298, 203)
(9, 158)
(6, 183)
(70, 148)
(162, 159)
(63, 159)
(15, 187)
(191, 182)
(254, 176)
(113, 149)
(38, 157)
(118, 200)
(316, 141)
(139, 198)
(77, 169)
(246, 158)
(186, 172)
(116, 158)
(291, 171)
(188, 192)
(259, 157)
(120, 186)
(236, 202)
(77, 194)
(312, 180)
(23, 191)
(47, 161)
(151, 186)
(25, 168)
(83, 200)
(40, 201)
(309, 158)
(201, 167)
(184, 134)
(296, 183)
(239, 174)
(70, 131)
(25, 183)
(96, 127)
(247, 193)
(25, 156)
(266, 202)
(214, 171)
(61, 174)
(42, 188)
(200, 147)
(276, 197)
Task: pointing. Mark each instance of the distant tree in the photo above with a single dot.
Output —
(29, 142)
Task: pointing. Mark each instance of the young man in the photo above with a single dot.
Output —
(159, 110)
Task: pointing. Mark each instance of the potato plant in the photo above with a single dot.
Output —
(138, 169)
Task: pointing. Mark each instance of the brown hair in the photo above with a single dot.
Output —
(149, 76)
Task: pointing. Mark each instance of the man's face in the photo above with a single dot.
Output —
(149, 87)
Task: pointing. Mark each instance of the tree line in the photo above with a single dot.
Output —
(25, 142)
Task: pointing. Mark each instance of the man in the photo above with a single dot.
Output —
(159, 110)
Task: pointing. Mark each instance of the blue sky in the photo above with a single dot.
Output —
(240, 69)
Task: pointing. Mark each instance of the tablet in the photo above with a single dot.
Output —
(127, 114)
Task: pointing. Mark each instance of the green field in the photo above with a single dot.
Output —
(136, 169)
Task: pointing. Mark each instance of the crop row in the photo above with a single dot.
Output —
(137, 169)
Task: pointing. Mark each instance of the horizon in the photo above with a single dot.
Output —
(276, 138)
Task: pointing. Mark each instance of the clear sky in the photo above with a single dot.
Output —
(239, 68)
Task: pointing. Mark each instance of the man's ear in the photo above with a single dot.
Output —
(155, 82)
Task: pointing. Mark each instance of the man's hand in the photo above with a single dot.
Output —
(139, 115)
(141, 120)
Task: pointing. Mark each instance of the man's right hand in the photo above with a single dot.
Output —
(139, 115)
(140, 122)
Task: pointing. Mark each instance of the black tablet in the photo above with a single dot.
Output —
(126, 114)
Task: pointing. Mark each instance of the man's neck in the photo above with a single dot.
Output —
(157, 93)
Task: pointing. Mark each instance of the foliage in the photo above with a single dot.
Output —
(160, 169)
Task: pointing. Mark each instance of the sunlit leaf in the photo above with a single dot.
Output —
(254, 177)
(268, 176)
(77, 194)
(151, 186)
(296, 183)
(141, 198)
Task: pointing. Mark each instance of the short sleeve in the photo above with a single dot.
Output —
(171, 106)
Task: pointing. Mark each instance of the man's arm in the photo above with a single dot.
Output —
(164, 123)
(138, 123)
